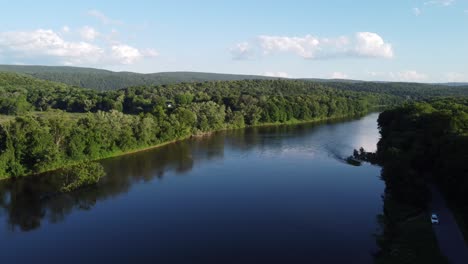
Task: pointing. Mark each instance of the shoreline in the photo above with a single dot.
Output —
(192, 136)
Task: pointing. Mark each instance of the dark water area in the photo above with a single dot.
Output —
(262, 195)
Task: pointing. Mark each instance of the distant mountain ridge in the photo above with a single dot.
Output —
(108, 80)
(103, 80)
(455, 84)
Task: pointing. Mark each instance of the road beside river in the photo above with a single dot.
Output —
(449, 235)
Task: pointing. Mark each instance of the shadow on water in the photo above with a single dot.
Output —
(26, 202)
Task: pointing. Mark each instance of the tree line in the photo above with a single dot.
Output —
(426, 141)
(83, 124)
(422, 143)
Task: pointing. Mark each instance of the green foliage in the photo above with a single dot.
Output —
(44, 136)
(184, 98)
(138, 117)
(103, 80)
(425, 139)
(13, 104)
(408, 91)
(82, 175)
(421, 142)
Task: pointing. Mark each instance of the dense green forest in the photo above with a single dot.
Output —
(102, 80)
(411, 91)
(426, 141)
(21, 93)
(46, 125)
(52, 125)
(422, 143)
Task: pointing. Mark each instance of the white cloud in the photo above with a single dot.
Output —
(47, 43)
(373, 74)
(150, 53)
(112, 37)
(416, 11)
(302, 46)
(372, 45)
(89, 33)
(277, 74)
(440, 2)
(66, 29)
(103, 18)
(409, 76)
(339, 75)
(46, 46)
(362, 44)
(126, 54)
(401, 76)
(456, 77)
(241, 51)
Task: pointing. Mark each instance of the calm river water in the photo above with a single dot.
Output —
(263, 195)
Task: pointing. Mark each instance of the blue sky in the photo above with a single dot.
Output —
(401, 40)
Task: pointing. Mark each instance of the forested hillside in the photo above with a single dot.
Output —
(20, 94)
(46, 125)
(102, 80)
(52, 125)
(412, 91)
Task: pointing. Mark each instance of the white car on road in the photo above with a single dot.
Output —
(434, 219)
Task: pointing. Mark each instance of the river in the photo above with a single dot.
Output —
(260, 195)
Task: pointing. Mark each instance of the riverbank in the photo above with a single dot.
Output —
(113, 155)
(196, 135)
(209, 133)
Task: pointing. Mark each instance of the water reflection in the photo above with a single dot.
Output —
(25, 203)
